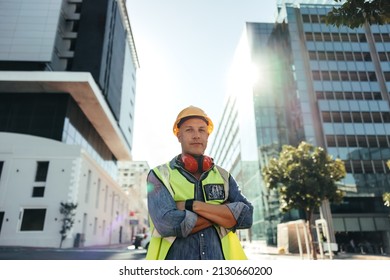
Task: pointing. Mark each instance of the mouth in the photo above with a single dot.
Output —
(196, 144)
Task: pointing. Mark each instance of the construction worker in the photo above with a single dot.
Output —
(194, 205)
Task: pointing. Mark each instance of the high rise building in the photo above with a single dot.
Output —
(67, 92)
(329, 86)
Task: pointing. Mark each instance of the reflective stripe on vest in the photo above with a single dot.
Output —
(181, 189)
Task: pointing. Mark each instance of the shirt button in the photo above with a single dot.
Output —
(201, 234)
(203, 253)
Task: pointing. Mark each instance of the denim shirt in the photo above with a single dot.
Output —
(169, 221)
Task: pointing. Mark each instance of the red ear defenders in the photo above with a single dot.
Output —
(192, 164)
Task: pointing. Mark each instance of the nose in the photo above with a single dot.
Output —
(196, 135)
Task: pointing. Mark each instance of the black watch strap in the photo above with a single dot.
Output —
(189, 204)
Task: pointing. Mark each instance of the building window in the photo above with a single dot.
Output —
(334, 76)
(316, 75)
(327, 37)
(329, 95)
(351, 139)
(336, 117)
(372, 76)
(384, 56)
(357, 166)
(386, 117)
(95, 224)
(330, 141)
(366, 116)
(344, 37)
(382, 141)
(381, 37)
(42, 168)
(88, 187)
(318, 36)
(336, 37)
(372, 143)
(38, 191)
(387, 76)
(348, 166)
(347, 118)
(378, 166)
(356, 117)
(306, 18)
(33, 219)
(1, 167)
(368, 168)
(341, 141)
(362, 142)
(309, 36)
(40, 176)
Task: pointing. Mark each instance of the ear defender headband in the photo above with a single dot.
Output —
(196, 164)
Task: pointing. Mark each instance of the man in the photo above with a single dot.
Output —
(194, 205)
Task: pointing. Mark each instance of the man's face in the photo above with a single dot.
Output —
(193, 136)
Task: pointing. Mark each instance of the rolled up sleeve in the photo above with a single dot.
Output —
(239, 205)
(167, 219)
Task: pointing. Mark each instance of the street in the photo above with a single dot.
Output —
(256, 250)
(120, 253)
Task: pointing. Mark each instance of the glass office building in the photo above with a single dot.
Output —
(328, 86)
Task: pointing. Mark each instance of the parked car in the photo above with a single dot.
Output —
(145, 241)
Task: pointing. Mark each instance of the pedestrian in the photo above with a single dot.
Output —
(352, 244)
(195, 206)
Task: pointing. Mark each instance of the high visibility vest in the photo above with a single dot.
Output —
(181, 189)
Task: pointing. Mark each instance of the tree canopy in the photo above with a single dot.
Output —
(304, 177)
(355, 13)
(68, 212)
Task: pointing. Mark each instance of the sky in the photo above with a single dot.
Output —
(185, 49)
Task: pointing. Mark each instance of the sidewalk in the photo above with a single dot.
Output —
(259, 250)
(119, 246)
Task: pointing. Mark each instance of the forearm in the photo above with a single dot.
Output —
(209, 214)
(217, 214)
(201, 223)
(239, 205)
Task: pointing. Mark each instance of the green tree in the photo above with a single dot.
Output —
(304, 177)
(386, 195)
(68, 212)
(386, 199)
(355, 13)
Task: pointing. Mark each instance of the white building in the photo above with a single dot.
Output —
(132, 179)
(37, 175)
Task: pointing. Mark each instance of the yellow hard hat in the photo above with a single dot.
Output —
(192, 111)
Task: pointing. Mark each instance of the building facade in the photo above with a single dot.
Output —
(67, 92)
(132, 179)
(328, 86)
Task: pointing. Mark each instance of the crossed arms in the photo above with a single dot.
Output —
(209, 214)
